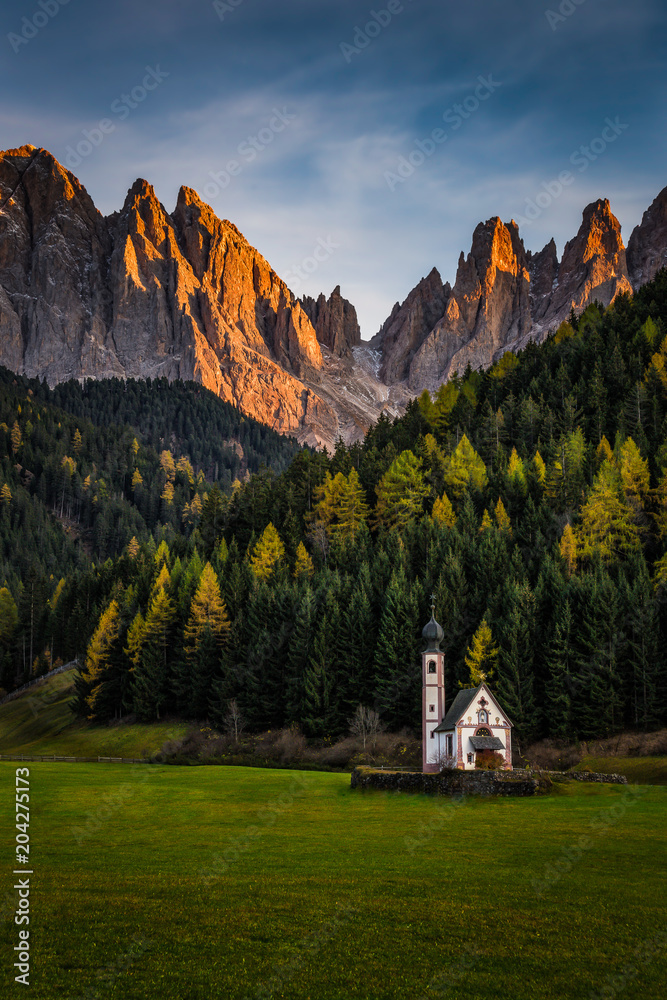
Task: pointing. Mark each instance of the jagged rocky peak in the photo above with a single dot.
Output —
(144, 293)
(409, 324)
(335, 321)
(488, 307)
(593, 265)
(647, 247)
(543, 271)
(504, 296)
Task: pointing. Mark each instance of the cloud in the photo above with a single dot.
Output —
(323, 175)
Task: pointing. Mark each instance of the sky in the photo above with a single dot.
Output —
(352, 143)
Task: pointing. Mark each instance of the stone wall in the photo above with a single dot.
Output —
(454, 782)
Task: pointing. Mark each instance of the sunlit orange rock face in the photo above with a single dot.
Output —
(505, 297)
(143, 293)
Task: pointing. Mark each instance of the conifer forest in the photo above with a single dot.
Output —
(190, 557)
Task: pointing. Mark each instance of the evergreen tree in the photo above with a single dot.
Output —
(401, 492)
(267, 554)
(482, 656)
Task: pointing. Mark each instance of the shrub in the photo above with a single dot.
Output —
(489, 760)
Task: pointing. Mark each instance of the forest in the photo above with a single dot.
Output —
(530, 499)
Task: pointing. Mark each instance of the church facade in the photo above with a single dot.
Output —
(475, 721)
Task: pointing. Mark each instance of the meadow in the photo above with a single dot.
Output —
(187, 883)
(40, 722)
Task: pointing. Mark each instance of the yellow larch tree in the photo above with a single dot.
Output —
(443, 512)
(267, 554)
(208, 613)
(304, 564)
(482, 655)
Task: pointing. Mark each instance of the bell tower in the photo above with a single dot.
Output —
(433, 692)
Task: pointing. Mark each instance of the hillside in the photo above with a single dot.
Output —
(78, 484)
(531, 499)
(40, 722)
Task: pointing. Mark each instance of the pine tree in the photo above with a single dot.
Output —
(502, 517)
(607, 526)
(397, 651)
(443, 512)
(318, 683)
(569, 549)
(208, 613)
(152, 675)
(516, 472)
(482, 655)
(304, 564)
(16, 437)
(300, 648)
(353, 510)
(401, 492)
(561, 685)
(645, 659)
(267, 554)
(98, 657)
(9, 617)
(597, 709)
(464, 469)
(487, 523)
(516, 676)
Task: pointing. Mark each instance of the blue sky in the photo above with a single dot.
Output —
(316, 118)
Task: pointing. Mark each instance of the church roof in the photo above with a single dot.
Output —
(460, 705)
(433, 633)
(457, 709)
(487, 743)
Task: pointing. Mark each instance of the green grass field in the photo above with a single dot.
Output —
(644, 770)
(40, 722)
(197, 883)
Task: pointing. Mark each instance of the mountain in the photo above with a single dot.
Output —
(144, 293)
(647, 248)
(335, 321)
(504, 296)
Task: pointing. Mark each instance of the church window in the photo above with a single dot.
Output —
(449, 746)
(433, 734)
(470, 757)
(431, 708)
(431, 666)
(482, 731)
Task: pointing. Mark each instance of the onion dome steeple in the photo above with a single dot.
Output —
(432, 632)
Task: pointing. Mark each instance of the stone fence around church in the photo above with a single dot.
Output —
(452, 782)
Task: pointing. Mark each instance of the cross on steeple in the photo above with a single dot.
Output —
(433, 605)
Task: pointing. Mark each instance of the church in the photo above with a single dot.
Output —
(475, 721)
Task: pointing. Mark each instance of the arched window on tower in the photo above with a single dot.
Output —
(431, 666)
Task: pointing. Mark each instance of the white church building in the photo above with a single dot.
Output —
(475, 720)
